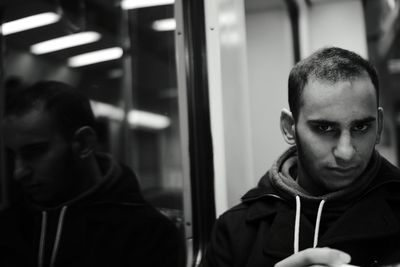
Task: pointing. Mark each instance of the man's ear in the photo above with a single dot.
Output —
(288, 127)
(84, 142)
(380, 125)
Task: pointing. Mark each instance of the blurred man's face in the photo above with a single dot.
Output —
(42, 156)
(336, 132)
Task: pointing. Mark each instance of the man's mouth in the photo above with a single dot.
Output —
(32, 187)
(343, 170)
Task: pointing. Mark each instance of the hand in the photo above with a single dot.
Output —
(316, 257)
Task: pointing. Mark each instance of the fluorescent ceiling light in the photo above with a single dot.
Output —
(148, 119)
(95, 57)
(164, 25)
(115, 73)
(65, 42)
(391, 4)
(30, 22)
(131, 4)
(106, 110)
(394, 65)
(136, 118)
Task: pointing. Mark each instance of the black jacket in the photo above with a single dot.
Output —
(112, 226)
(260, 230)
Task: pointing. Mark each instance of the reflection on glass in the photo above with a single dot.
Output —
(383, 41)
(142, 131)
(156, 150)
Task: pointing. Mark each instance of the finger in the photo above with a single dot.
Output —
(315, 256)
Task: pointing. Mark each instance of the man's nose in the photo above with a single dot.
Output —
(344, 150)
(21, 170)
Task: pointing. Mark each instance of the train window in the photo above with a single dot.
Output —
(383, 40)
(123, 57)
(155, 150)
(134, 96)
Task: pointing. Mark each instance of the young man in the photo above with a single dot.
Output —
(330, 198)
(79, 207)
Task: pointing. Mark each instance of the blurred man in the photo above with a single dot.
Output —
(330, 198)
(79, 207)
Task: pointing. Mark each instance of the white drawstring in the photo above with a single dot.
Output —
(58, 236)
(42, 238)
(317, 222)
(57, 239)
(297, 224)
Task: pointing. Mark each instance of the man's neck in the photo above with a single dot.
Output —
(90, 173)
(305, 181)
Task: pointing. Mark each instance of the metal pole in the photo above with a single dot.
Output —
(3, 165)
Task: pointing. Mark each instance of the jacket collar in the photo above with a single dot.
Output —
(261, 210)
(257, 208)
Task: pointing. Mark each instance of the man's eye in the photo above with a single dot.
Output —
(9, 152)
(325, 128)
(33, 151)
(361, 127)
(28, 154)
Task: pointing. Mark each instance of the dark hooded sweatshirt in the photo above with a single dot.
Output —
(279, 218)
(108, 225)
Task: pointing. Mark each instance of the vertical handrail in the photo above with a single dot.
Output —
(294, 14)
(127, 87)
(183, 110)
(194, 98)
(3, 165)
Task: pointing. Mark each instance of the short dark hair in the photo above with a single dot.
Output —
(67, 105)
(330, 64)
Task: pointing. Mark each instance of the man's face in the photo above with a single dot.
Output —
(42, 156)
(336, 132)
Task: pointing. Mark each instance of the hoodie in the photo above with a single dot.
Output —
(335, 203)
(279, 218)
(110, 224)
